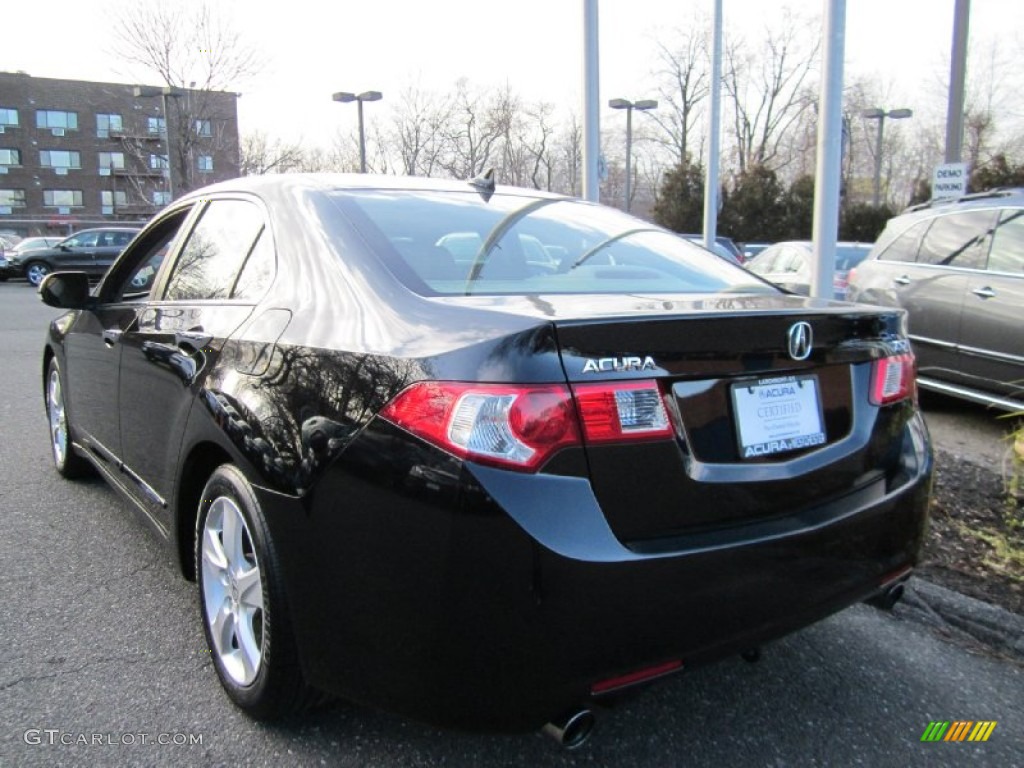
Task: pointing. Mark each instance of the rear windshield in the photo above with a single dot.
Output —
(453, 244)
(849, 256)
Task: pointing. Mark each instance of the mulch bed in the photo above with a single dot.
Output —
(967, 500)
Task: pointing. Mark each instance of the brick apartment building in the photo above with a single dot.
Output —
(76, 154)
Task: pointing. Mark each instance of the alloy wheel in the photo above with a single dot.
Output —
(232, 591)
(36, 272)
(58, 418)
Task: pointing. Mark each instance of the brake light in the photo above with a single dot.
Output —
(521, 426)
(892, 379)
(624, 410)
(511, 426)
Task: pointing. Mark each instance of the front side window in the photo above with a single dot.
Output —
(215, 251)
(82, 240)
(8, 117)
(455, 243)
(956, 240)
(1007, 254)
(62, 198)
(12, 198)
(56, 119)
(107, 124)
(10, 157)
(60, 158)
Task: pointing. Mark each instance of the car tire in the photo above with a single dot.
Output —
(242, 601)
(35, 271)
(66, 461)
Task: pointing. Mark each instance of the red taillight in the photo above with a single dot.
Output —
(622, 410)
(521, 426)
(892, 379)
(512, 426)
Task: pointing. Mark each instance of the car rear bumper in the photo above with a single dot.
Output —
(498, 602)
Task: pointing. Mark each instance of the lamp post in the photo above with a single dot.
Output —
(629, 106)
(345, 97)
(163, 92)
(879, 114)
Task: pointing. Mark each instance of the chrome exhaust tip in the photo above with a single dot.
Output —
(572, 730)
(887, 598)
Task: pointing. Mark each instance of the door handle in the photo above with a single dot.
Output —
(112, 336)
(902, 280)
(192, 341)
(985, 293)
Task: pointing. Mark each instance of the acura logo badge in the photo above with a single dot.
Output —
(800, 338)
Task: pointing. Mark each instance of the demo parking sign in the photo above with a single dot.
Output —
(949, 180)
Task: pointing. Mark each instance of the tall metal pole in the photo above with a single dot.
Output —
(167, 146)
(878, 160)
(830, 149)
(629, 156)
(362, 139)
(957, 81)
(591, 103)
(714, 131)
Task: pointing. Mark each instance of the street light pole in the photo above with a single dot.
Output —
(345, 97)
(629, 106)
(142, 91)
(879, 114)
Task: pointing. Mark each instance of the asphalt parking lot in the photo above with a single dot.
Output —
(102, 660)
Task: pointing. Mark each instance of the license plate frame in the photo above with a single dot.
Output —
(777, 414)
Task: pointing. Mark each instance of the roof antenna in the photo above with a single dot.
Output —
(484, 185)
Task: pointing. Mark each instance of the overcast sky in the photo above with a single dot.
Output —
(315, 48)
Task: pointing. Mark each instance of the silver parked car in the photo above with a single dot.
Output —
(788, 265)
(958, 269)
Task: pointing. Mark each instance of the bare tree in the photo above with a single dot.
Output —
(196, 54)
(419, 125)
(685, 84)
(261, 155)
(474, 134)
(769, 87)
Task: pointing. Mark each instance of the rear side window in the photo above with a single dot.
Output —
(1007, 254)
(956, 240)
(904, 247)
(215, 252)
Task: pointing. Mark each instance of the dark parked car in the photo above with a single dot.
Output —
(958, 270)
(472, 491)
(788, 265)
(91, 251)
(10, 258)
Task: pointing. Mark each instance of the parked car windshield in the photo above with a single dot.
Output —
(452, 243)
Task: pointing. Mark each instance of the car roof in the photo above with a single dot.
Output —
(327, 182)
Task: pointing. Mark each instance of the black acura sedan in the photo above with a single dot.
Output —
(469, 487)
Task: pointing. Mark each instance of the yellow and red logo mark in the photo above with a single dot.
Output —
(958, 730)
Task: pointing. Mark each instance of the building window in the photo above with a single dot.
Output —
(62, 198)
(111, 161)
(161, 197)
(105, 124)
(60, 159)
(158, 162)
(112, 199)
(56, 120)
(11, 198)
(204, 127)
(8, 117)
(10, 157)
(205, 162)
(156, 126)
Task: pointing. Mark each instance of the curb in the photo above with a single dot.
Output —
(963, 616)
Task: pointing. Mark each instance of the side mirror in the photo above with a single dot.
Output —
(66, 248)
(66, 290)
